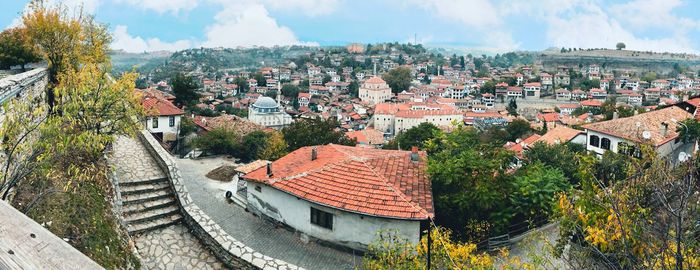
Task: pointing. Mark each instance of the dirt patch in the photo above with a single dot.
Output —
(224, 173)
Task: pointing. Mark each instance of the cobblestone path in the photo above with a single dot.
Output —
(174, 248)
(151, 212)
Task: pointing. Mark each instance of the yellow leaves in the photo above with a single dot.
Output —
(596, 236)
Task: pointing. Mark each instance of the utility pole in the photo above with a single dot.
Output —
(429, 242)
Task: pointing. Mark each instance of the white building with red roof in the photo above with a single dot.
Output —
(394, 118)
(163, 119)
(343, 194)
(374, 91)
(657, 129)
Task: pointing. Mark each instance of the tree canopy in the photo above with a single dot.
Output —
(185, 89)
(314, 131)
(16, 49)
(415, 136)
(399, 79)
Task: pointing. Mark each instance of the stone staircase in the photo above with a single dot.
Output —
(148, 201)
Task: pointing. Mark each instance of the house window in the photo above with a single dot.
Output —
(594, 141)
(171, 121)
(605, 143)
(154, 121)
(321, 218)
(258, 188)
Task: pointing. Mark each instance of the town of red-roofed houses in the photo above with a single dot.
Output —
(263, 151)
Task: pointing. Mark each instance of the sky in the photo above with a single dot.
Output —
(488, 25)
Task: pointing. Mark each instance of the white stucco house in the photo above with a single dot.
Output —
(656, 129)
(163, 118)
(344, 195)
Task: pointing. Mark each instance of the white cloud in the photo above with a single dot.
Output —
(243, 25)
(642, 14)
(479, 16)
(163, 6)
(73, 7)
(126, 42)
(247, 25)
(308, 7)
(472, 13)
(587, 24)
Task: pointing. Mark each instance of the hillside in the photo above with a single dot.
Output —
(618, 59)
(213, 60)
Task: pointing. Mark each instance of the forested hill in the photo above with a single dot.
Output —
(206, 60)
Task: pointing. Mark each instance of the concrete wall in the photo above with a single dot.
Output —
(351, 230)
(231, 252)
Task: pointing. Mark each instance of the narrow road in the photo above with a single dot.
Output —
(254, 232)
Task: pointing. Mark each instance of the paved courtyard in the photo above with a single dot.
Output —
(254, 232)
(174, 248)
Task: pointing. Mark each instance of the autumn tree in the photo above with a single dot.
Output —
(274, 148)
(68, 177)
(391, 251)
(16, 49)
(65, 41)
(399, 79)
(21, 122)
(646, 220)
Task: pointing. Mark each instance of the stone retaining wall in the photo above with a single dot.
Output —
(32, 83)
(230, 251)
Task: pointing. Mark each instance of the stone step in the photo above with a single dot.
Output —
(147, 216)
(148, 206)
(163, 222)
(146, 181)
(144, 188)
(146, 197)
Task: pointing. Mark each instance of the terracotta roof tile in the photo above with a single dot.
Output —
(559, 134)
(160, 107)
(374, 182)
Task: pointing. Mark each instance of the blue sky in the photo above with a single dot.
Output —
(491, 25)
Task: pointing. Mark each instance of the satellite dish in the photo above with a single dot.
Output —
(646, 135)
(682, 156)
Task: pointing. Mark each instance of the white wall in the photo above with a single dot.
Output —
(163, 125)
(349, 229)
(668, 150)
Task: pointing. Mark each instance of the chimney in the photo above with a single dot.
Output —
(414, 153)
(269, 169)
(314, 153)
(664, 129)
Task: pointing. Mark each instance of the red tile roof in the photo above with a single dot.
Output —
(366, 136)
(384, 183)
(591, 103)
(560, 134)
(160, 107)
(375, 80)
